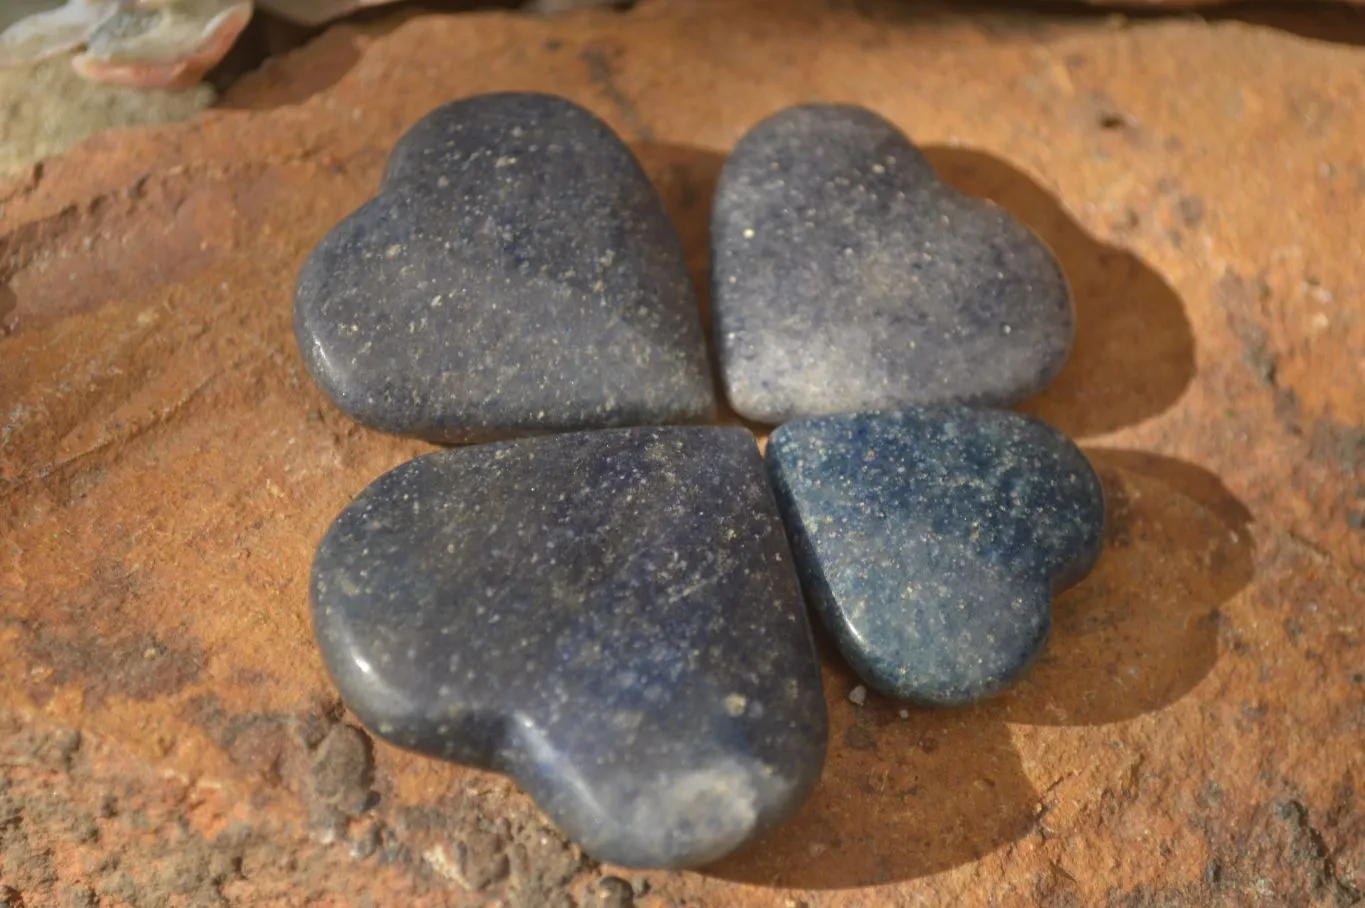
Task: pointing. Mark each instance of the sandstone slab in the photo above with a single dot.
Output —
(1192, 735)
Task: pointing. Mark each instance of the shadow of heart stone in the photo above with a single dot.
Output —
(846, 276)
(931, 540)
(517, 273)
(612, 618)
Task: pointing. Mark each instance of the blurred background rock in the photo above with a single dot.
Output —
(71, 69)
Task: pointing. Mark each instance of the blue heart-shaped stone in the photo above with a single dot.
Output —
(846, 276)
(613, 618)
(932, 539)
(516, 273)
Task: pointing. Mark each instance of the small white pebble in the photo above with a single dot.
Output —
(858, 696)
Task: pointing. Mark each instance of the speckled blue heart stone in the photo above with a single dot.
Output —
(516, 274)
(931, 540)
(846, 276)
(613, 618)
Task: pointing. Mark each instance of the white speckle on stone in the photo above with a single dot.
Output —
(748, 233)
(439, 861)
(735, 703)
(720, 799)
(392, 251)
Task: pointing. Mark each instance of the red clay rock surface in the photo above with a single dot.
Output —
(1195, 734)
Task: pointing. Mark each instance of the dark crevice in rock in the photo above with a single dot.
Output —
(1315, 851)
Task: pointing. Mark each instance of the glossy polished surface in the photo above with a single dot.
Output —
(931, 540)
(612, 618)
(847, 276)
(516, 274)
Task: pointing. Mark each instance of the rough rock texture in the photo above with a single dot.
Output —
(47, 108)
(846, 276)
(1192, 735)
(930, 540)
(516, 272)
(612, 618)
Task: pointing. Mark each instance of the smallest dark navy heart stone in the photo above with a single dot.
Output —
(931, 540)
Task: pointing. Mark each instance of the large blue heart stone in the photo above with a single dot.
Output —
(613, 618)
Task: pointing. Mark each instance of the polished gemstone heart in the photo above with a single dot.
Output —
(516, 273)
(612, 618)
(931, 540)
(846, 276)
